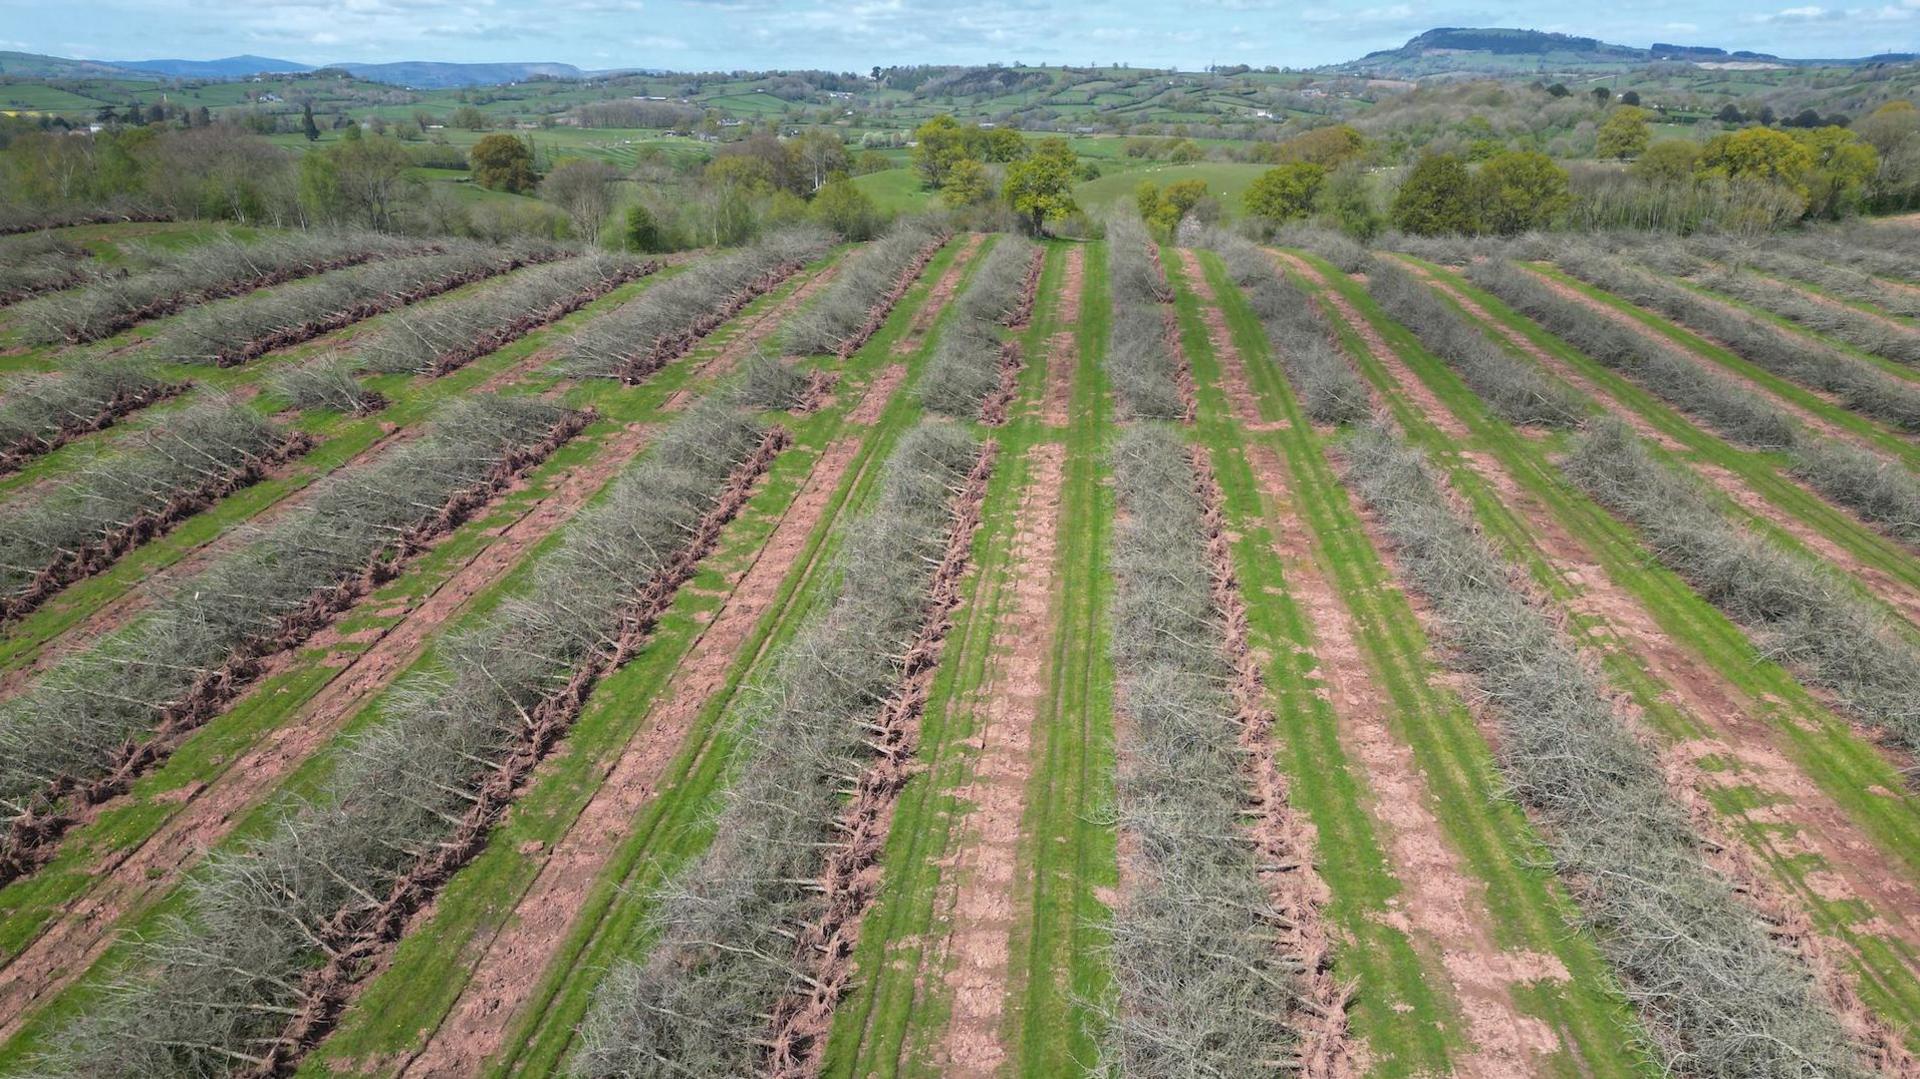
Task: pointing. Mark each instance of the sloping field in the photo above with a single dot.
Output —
(957, 655)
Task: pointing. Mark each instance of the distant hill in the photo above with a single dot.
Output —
(429, 75)
(1453, 50)
(232, 67)
(29, 65)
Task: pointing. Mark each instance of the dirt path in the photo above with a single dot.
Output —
(1440, 903)
(509, 964)
(751, 336)
(129, 878)
(937, 300)
(1008, 702)
(1900, 596)
(1063, 353)
(1233, 368)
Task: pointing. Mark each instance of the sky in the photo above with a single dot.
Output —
(856, 35)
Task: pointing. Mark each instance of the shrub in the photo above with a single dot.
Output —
(639, 337)
(1802, 616)
(1717, 995)
(327, 383)
(1880, 490)
(52, 536)
(973, 363)
(223, 977)
(1316, 365)
(240, 329)
(1843, 281)
(1517, 391)
(440, 337)
(200, 641)
(1197, 974)
(1735, 411)
(41, 412)
(40, 262)
(870, 282)
(723, 951)
(1864, 331)
(1140, 359)
(218, 268)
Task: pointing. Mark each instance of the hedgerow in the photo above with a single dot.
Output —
(729, 928)
(41, 262)
(1865, 331)
(112, 503)
(1717, 996)
(240, 329)
(1329, 389)
(1853, 247)
(636, 339)
(1879, 489)
(100, 716)
(1801, 615)
(1859, 386)
(16, 219)
(273, 934)
(870, 282)
(176, 280)
(40, 413)
(1517, 391)
(1840, 281)
(1736, 412)
(1140, 358)
(971, 373)
(1202, 987)
(440, 337)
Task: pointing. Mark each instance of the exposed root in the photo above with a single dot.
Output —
(993, 411)
(851, 879)
(1022, 315)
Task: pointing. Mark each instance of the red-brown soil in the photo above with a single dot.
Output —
(942, 294)
(1063, 352)
(980, 902)
(1233, 368)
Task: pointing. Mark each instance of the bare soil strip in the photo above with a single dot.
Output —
(757, 331)
(937, 300)
(1009, 699)
(509, 964)
(1062, 347)
(128, 879)
(798, 1033)
(1233, 369)
(1894, 592)
(1285, 841)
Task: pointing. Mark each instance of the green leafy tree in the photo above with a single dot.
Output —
(1668, 161)
(307, 126)
(641, 232)
(1760, 154)
(1624, 135)
(844, 208)
(967, 184)
(1346, 201)
(468, 118)
(1520, 190)
(1040, 187)
(1285, 193)
(1436, 197)
(937, 145)
(1843, 165)
(502, 163)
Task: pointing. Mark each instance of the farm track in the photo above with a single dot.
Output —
(503, 955)
(273, 701)
(1777, 501)
(945, 901)
(1758, 749)
(1462, 960)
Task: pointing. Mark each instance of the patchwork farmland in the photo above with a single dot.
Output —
(958, 654)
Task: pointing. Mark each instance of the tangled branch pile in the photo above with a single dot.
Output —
(1140, 358)
(40, 413)
(16, 219)
(101, 716)
(40, 262)
(1859, 386)
(237, 330)
(1841, 281)
(1881, 492)
(328, 382)
(1203, 984)
(1718, 997)
(1329, 389)
(437, 338)
(1861, 329)
(1882, 252)
(117, 501)
(872, 281)
(638, 338)
(1738, 413)
(1517, 391)
(274, 933)
(196, 275)
(729, 928)
(972, 370)
(1801, 615)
